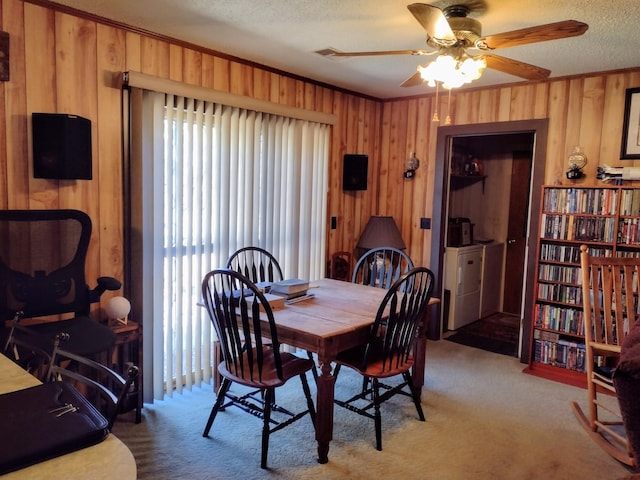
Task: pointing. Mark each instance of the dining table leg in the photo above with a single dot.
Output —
(324, 407)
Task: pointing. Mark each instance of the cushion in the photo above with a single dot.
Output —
(626, 379)
(630, 352)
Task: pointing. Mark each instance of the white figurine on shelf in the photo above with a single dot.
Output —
(117, 310)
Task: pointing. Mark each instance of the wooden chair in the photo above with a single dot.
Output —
(340, 266)
(261, 267)
(256, 263)
(105, 388)
(381, 267)
(610, 299)
(234, 304)
(389, 351)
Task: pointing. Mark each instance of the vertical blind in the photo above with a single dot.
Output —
(206, 180)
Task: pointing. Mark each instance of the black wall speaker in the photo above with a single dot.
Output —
(354, 172)
(61, 146)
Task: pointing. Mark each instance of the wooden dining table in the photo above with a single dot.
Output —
(339, 316)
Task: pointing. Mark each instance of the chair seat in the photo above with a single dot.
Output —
(627, 382)
(291, 366)
(375, 367)
(604, 372)
(86, 336)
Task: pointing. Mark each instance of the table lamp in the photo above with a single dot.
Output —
(381, 231)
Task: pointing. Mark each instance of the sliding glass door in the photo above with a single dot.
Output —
(205, 180)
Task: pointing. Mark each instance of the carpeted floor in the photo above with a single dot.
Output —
(496, 333)
(485, 420)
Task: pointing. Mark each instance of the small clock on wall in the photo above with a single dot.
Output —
(4, 57)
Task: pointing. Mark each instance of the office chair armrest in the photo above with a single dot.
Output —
(104, 284)
(109, 283)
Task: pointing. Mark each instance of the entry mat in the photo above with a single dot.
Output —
(497, 333)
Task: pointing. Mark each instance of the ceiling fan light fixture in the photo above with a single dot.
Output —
(472, 68)
(452, 71)
(452, 31)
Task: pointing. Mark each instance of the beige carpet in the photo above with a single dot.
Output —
(485, 419)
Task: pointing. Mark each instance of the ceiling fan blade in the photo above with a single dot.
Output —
(541, 33)
(332, 52)
(413, 80)
(515, 67)
(432, 20)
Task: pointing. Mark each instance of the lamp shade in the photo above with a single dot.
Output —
(381, 232)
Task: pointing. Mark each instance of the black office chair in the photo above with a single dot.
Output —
(234, 304)
(42, 276)
(389, 351)
(381, 267)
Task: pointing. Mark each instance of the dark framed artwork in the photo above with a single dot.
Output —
(631, 126)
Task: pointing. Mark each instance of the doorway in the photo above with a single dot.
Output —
(535, 131)
(497, 208)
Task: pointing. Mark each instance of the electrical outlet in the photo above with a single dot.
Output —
(425, 223)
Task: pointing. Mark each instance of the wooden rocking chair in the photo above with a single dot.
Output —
(610, 299)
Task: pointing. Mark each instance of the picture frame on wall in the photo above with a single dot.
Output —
(631, 125)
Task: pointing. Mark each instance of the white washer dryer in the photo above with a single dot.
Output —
(463, 277)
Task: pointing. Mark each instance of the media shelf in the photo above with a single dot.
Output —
(607, 220)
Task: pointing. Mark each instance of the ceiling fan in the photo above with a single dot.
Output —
(453, 32)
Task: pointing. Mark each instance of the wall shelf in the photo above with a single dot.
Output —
(462, 181)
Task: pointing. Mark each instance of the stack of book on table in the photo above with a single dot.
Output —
(293, 289)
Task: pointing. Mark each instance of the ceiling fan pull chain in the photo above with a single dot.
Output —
(447, 120)
(435, 113)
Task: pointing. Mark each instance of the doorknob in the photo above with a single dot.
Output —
(510, 241)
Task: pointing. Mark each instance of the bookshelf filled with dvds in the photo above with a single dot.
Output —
(606, 219)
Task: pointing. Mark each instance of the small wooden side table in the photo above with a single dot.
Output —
(128, 346)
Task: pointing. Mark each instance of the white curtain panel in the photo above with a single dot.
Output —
(218, 178)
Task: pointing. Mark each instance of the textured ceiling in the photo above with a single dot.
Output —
(284, 34)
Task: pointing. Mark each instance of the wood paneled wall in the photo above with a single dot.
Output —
(68, 63)
(586, 111)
